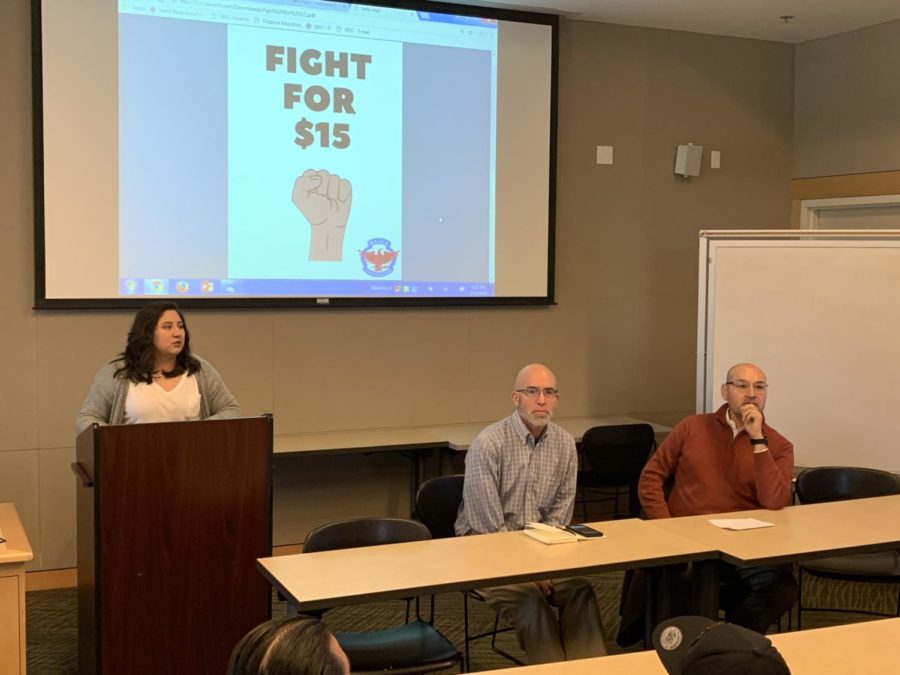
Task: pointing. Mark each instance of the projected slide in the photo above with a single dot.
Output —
(301, 149)
(317, 178)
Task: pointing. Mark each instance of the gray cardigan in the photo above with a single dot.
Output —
(105, 402)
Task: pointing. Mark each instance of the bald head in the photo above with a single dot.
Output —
(533, 371)
(745, 371)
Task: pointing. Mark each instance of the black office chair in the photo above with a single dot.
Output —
(614, 457)
(437, 504)
(837, 483)
(414, 647)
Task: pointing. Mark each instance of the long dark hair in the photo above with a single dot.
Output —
(139, 360)
(293, 645)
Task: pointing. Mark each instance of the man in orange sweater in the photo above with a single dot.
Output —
(729, 460)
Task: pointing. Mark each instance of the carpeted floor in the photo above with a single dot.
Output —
(52, 624)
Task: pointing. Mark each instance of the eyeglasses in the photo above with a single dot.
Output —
(741, 385)
(534, 392)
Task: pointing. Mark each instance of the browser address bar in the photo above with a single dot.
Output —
(346, 19)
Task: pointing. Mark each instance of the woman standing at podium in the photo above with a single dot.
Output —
(156, 378)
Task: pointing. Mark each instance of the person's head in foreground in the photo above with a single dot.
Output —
(695, 645)
(294, 645)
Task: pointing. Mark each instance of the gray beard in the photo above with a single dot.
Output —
(536, 421)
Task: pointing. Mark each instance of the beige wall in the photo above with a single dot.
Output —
(847, 103)
(621, 338)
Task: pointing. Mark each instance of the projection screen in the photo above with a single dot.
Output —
(292, 153)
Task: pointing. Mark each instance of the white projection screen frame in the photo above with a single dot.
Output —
(817, 311)
(265, 153)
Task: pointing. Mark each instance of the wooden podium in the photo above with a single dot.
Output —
(171, 519)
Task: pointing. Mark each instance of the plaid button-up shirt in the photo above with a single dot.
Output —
(512, 479)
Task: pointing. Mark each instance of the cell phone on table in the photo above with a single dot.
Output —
(583, 530)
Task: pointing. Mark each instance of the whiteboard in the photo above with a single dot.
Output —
(819, 312)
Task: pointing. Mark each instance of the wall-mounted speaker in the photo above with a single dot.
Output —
(687, 160)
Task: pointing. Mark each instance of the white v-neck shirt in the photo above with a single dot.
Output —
(151, 403)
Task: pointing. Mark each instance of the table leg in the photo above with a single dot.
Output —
(705, 588)
(415, 474)
(416, 477)
(658, 600)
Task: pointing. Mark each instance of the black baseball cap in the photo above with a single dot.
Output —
(696, 645)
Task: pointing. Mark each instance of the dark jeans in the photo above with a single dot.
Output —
(753, 597)
(756, 597)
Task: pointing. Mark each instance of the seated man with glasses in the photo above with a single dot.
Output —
(729, 460)
(523, 469)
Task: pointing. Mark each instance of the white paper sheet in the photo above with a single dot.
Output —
(739, 523)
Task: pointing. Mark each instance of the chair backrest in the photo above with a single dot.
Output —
(437, 503)
(837, 483)
(617, 454)
(364, 532)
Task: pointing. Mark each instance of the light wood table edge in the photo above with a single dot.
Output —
(14, 553)
(862, 647)
(719, 538)
(277, 570)
(450, 587)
